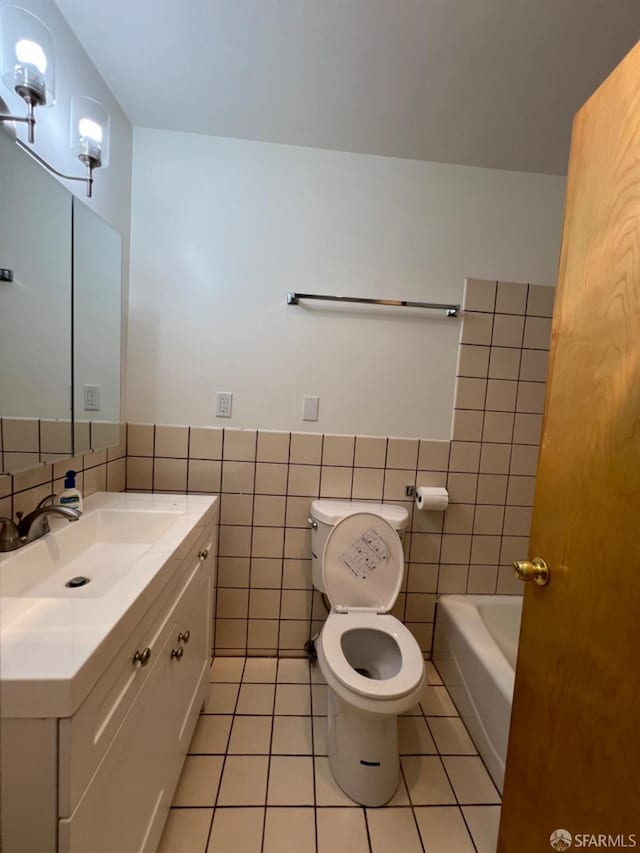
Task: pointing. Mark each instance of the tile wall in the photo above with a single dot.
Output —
(267, 480)
(98, 471)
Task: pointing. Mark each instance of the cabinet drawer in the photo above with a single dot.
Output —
(84, 738)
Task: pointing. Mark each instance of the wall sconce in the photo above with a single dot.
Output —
(27, 67)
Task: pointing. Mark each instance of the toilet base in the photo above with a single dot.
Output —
(363, 752)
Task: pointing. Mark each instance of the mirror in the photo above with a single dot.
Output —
(97, 261)
(60, 318)
(35, 312)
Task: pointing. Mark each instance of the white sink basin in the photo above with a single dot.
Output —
(101, 547)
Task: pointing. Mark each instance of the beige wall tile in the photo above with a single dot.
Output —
(271, 478)
(297, 543)
(425, 547)
(172, 441)
(459, 518)
(420, 607)
(236, 509)
(402, 453)
(531, 397)
(524, 459)
(170, 475)
(231, 634)
(370, 452)
(335, 482)
(295, 604)
(266, 572)
(537, 332)
(465, 456)
(504, 363)
(517, 521)
(239, 445)
(55, 436)
(473, 360)
(238, 477)
(263, 635)
(306, 448)
(527, 429)
(293, 634)
(508, 331)
(94, 480)
(304, 480)
(422, 577)
(456, 548)
(494, 458)
(507, 583)
(273, 446)
(139, 472)
(232, 604)
(235, 541)
(453, 579)
(296, 574)
(267, 542)
(205, 443)
(511, 298)
(204, 475)
(479, 295)
(498, 427)
(233, 571)
(501, 395)
(338, 450)
(297, 512)
(541, 300)
(269, 510)
(476, 328)
(492, 489)
(520, 491)
(395, 483)
(368, 484)
(470, 393)
(467, 425)
(482, 580)
(264, 604)
(140, 439)
(488, 519)
(462, 487)
(533, 367)
(513, 548)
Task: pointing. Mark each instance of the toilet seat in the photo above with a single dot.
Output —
(362, 570)
(411, 670)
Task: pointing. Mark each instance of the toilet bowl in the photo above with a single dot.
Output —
(372, 664)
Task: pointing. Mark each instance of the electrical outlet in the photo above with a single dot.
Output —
(92, 398)
(224, 400)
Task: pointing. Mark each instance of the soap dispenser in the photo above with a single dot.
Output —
(70, 496)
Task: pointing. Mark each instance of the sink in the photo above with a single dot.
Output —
(101, 547)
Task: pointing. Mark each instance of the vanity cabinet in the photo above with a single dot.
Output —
(119, 756)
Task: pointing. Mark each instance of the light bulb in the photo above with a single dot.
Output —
(30, 53)
(90, 129)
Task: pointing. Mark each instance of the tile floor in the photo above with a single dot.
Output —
(257, 778)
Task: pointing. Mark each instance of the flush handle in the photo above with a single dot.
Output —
(312, 523)
(536, 570)
(141, 658)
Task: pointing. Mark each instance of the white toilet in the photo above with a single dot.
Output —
(372, 664)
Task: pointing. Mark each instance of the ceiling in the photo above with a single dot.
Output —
(480, 82)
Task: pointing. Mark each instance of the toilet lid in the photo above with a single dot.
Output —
(363, 563)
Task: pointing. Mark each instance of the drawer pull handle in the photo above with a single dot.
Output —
(183, 636)
(176, 654)
(204, 554)
(141, 658)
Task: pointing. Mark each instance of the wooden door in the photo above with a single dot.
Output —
(574, 748)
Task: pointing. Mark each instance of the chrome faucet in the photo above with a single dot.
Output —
(32, 526)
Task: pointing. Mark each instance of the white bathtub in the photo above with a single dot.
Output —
(475, 651)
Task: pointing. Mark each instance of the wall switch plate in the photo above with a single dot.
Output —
(224, 401)
(92, 398)
(310, 408)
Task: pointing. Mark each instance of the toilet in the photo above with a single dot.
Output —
(372, 664)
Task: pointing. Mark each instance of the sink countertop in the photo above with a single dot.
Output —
(54, 649)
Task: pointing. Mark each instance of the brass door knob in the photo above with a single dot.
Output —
(535, 570)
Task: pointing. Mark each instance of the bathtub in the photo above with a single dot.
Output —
(475, 651)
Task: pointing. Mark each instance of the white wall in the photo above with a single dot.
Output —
(223, 228)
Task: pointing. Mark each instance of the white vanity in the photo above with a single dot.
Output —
(101, 684)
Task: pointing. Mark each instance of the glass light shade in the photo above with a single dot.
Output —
(90, 131)
(27, 61)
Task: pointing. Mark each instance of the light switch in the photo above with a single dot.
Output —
(310, 408)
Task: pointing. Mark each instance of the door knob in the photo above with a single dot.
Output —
(535, 570)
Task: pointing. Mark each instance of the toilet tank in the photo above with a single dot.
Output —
(326, 513)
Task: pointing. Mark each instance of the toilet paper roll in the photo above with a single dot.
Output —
(432, 498)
